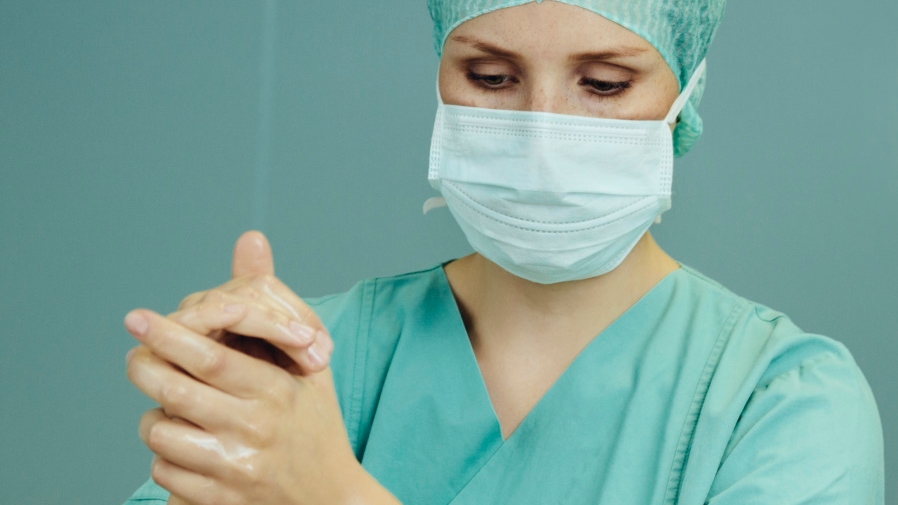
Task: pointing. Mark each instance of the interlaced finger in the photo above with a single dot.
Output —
(307, 346)
(179, 394)
(225, 369)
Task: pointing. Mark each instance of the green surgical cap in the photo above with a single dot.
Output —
(681, 30)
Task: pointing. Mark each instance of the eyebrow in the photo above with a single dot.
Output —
(487, 47)
(610, 54)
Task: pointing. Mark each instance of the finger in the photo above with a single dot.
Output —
(252, 256)
(180, 395)
(271, 288)
(294, 336)
(307, 347)
(184, 445)
(243, 316)
(192, 299)
(191, 487)
(317, 357)
(264, 288)
(225, 369)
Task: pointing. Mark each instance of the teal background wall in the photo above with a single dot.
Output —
(138, 139)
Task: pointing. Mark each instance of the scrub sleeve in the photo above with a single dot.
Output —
(693, 396)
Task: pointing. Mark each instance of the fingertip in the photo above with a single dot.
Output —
(302, 335)
(136, 323)
(252, 255)
(310, 360)
(130, 355)
(319, 354)
(254, 233)
(253, 238)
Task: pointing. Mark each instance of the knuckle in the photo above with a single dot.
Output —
(191, 299)
(250, 470)
(212, 362)
(279, 389)
(260, 433)
(247, 291)
(214, 296)
(274, 314)
(175, 396)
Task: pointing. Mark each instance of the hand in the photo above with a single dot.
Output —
(236, 430)
(287, 332)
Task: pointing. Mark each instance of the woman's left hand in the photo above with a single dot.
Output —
(233, 429)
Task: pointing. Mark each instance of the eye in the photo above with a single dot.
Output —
(491, 81)
(605, 88)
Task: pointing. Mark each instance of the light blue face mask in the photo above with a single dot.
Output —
(552, 197)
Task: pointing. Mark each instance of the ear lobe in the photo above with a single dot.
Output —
(252, 255)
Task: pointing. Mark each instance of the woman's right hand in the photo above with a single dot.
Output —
(278, 327)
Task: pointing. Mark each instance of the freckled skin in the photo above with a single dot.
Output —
(544, 36)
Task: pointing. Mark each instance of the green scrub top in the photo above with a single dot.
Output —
(692, 396)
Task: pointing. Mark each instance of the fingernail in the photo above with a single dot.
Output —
(315, 354)
(136, 324)
(130, 355)
(302, 333)
(233, 308)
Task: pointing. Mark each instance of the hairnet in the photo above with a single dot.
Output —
(681, 30)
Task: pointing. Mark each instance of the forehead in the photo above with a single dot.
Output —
(549, 29)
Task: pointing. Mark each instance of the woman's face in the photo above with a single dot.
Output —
(555, 57)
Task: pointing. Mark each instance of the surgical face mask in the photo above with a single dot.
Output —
(552, 197)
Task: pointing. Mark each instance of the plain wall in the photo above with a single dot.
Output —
(139, 139)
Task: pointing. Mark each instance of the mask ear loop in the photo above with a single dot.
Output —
(437, 201)
(681, 100)
(684, 97)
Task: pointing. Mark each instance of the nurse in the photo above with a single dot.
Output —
(568, 360)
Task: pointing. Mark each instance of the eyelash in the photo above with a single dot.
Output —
(482, 80)
(613, 88)
(610, 88)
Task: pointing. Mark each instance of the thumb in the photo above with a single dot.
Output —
(252, 255)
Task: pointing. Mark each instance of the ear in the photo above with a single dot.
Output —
(252, 255)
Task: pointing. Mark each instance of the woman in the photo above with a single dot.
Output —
(569, 360)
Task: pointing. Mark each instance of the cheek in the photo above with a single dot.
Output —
(643, 104)
(659, 103)
(452, 85)
(455, 89)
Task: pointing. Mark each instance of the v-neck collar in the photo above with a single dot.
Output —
(435, 427)
(472, 358)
